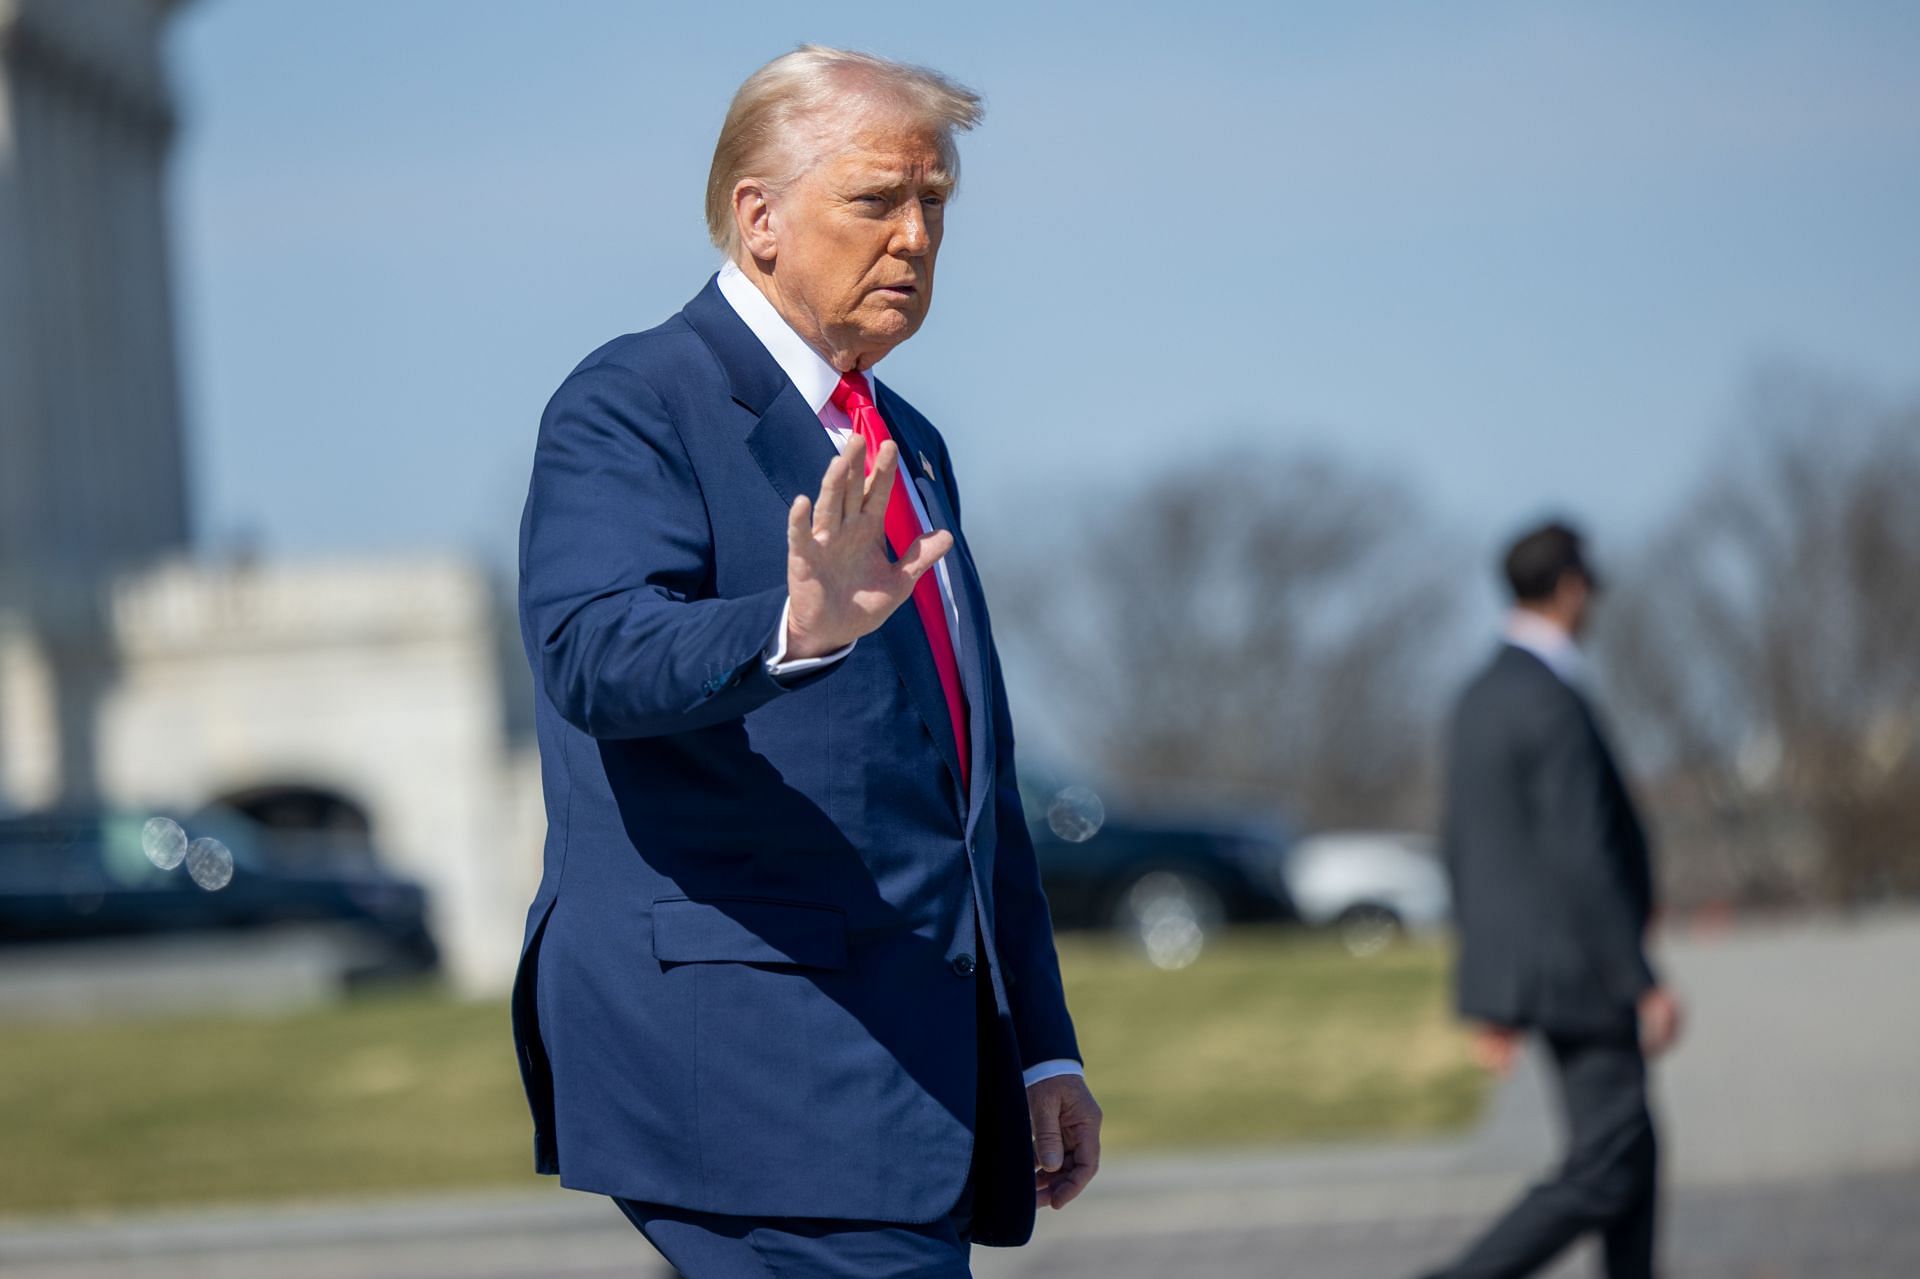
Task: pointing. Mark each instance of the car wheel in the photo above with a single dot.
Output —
(1367, 929)
(1169, 914)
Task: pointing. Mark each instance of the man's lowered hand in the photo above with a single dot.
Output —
(1066, 1139)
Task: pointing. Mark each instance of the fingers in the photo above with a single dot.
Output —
(1049, 1149)
(830, 511)
(1066, 1140)
(1086, 1151)
(1058, 1189)
(886, 466)
(799, 522)
(1070, 1183)
(1082, 1164)
(925, 552)
(855, 456)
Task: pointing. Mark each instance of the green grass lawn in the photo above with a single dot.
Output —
(1269, 1038)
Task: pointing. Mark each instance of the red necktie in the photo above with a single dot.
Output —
(903, 526)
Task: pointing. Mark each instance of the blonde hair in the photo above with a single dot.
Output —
(759, 139)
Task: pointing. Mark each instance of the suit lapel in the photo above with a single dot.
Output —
(790, 446)
(968, 602)
(906, 641)
(793, 450)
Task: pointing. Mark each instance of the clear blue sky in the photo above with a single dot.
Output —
(1525, 255)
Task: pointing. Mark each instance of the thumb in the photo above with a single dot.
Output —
(1049, 1151)
(925, 552)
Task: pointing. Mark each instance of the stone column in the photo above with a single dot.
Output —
(92, 469)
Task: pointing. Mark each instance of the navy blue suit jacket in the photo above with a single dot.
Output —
(749, 977)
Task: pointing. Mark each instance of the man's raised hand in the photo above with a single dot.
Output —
(840, 583)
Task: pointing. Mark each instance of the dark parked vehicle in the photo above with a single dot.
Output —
(1169, 884)
(88, 875)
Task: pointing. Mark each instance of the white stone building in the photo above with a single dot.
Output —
(377, 694)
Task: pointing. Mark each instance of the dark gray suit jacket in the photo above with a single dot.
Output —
(1552, 882)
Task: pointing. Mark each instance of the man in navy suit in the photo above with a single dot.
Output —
(788, 991)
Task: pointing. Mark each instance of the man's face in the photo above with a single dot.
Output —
(856, 237)
(1576, 593)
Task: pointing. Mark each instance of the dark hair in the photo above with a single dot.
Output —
(1535, 564)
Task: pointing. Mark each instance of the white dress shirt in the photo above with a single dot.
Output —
(816, 379)
(1550, 642)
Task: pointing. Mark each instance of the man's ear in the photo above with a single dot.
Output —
(753, 218)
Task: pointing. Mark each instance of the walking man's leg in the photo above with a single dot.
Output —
(1606, 1182)
(1629, 1239)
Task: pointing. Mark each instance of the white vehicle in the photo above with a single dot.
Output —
(1370, 885)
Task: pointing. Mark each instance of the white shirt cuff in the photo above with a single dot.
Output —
(777, 663)
(1049, 1069)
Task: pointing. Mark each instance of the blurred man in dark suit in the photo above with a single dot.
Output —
(1553, 891)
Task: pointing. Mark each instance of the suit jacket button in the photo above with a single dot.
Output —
(963, 964)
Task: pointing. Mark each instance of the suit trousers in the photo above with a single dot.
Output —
(704, 1245)
(715, 1246)
(1607, 1183)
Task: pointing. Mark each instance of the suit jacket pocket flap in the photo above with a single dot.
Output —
(750, 930)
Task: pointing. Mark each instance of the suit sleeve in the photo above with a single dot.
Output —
(1581, 843)
(616, 573)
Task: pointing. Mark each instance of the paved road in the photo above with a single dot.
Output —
(1849, 1228)
(1792, 1121)
(1803, 1051)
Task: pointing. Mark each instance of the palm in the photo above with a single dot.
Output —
(840, 583)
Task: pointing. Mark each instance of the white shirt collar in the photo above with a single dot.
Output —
(804, 367)
(1547, 641)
